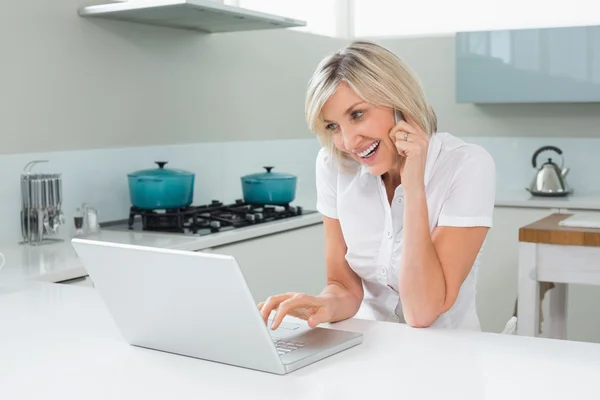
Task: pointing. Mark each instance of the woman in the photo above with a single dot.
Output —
(405, 209)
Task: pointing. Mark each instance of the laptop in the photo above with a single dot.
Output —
(198, 305)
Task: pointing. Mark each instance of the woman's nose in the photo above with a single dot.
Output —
(351, 139)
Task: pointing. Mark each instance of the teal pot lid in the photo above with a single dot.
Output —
(161, 171)
(270, 175)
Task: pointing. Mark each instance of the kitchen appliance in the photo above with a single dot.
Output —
(41, 206)
(161, 188)
(549, 179)
(269, 187)
(205, 219)
(196, 15)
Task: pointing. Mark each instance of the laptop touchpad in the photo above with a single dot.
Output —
(287, 326)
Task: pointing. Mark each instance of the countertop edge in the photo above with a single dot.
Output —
(589, 201)
(253, 232)
(207, 242)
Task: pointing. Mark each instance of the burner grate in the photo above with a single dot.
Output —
(212, 217)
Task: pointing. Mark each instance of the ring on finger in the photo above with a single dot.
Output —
(406, 136)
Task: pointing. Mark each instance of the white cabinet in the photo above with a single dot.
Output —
(497, 281)
(291, 261)
(538, 65)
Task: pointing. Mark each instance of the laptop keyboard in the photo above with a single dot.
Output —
(286, 346)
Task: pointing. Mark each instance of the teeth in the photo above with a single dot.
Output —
(369, 149)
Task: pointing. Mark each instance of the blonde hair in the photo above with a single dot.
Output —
(378, 76)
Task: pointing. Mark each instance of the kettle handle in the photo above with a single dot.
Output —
(541, 149)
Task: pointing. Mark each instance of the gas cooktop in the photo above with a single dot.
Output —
(205, 219)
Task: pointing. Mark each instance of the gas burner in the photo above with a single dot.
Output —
(210, 218)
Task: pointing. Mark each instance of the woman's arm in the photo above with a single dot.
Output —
(434, 265)
(339, 300)
(344, 289)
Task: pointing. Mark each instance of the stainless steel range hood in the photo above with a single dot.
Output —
(200, 15)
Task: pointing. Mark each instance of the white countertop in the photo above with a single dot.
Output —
(59, 342)
(522, 198)
(58, 261)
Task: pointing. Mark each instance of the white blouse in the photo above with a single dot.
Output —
(460, 184)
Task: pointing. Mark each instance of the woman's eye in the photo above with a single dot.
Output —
(357, 114)
(331, 127)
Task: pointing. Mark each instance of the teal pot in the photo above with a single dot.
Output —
(161, 188)
(269, 187)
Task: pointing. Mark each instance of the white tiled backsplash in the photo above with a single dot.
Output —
(513, 160)
(99, 177)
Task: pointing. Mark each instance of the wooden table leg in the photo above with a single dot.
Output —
(528, 316)
(557, 320)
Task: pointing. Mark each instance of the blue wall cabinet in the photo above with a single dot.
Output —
(528, 65)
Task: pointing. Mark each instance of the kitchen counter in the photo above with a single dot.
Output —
(58, 261)
(59, 342)
(522, 198)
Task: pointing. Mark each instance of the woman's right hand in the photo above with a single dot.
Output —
(314, 309)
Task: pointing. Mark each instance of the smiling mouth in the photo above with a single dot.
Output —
(369, 151)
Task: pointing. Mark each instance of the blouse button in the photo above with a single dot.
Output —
(389, 234)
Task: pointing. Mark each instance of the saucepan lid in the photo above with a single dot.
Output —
(269, 175)
(161, 171)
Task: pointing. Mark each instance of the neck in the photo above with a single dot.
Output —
(392, 178)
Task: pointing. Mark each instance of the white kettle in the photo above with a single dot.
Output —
(549, 179)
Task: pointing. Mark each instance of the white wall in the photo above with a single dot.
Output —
(75, 83)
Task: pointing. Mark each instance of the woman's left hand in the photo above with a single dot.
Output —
(412, 144)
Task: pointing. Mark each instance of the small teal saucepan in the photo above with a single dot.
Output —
(269, 187)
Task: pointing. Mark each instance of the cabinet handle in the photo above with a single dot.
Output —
(82, 278)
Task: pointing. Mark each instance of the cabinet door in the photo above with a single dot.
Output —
(291, 261)
(498, 273)
(528, 65)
